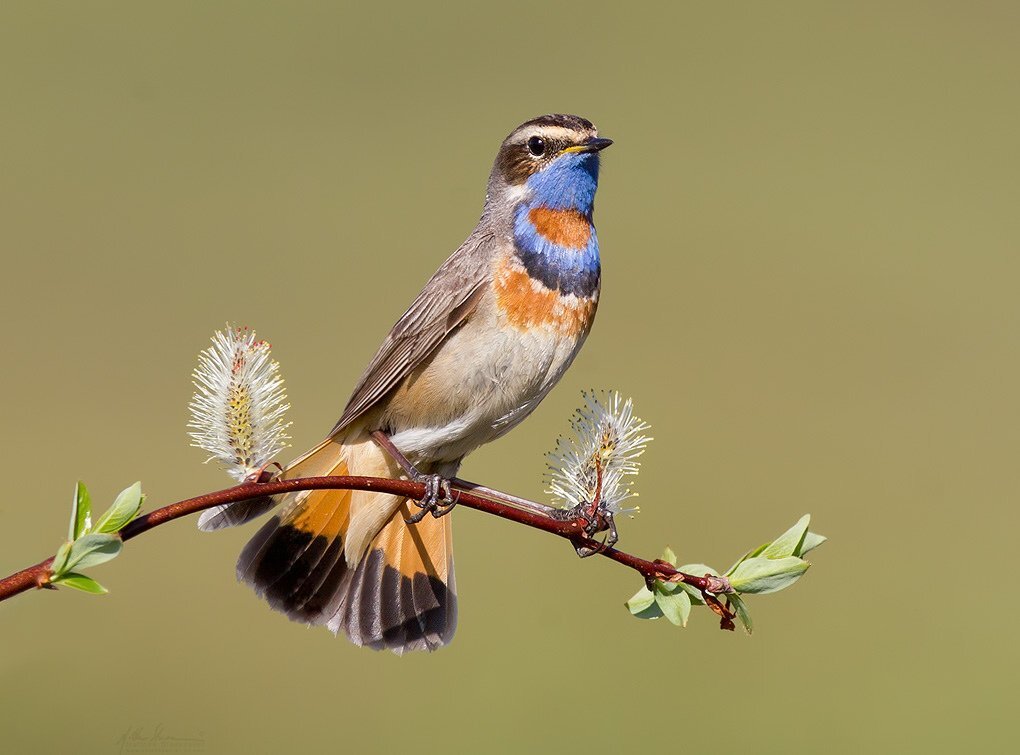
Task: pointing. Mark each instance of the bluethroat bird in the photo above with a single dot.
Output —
(482, 344)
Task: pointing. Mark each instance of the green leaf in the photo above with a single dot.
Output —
(675, 606)
(93, 549)
(811, 541)
(81, 512)
(750, 554)
(80, 582)
(652, 612)
(764, 575)
(790, 541)
(669, 556)
(643, 605)
(666, 587)
(123, 510)
(693, 593)
(60, 560)
(698, 570)
(641, 600)
(742, 613)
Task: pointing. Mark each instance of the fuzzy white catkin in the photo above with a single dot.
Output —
(239, 403)
(606, 435)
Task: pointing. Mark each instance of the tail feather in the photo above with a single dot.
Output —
(320, 595)
(429, 557)
(397, 592)
(291, 560)
(403, 594)
(234, 514)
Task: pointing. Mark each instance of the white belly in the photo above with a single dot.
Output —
(484, 380)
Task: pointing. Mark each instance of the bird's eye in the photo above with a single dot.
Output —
(536, 146)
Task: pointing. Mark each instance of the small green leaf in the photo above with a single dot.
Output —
(811, 541)
(742, 613)
(91, 550)
(750, 554)
(60, 560)
(123, 510)
(675, 606)
(698, 570)
(669, 556)
(81, 512)
(764, 575)
(641, 600)
(643, 605)
(666, 588)
(790, 541)
(685, 608)
(652, 612)
(80, 582)
(693, 593)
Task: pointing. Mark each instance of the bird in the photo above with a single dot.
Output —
(488, 337)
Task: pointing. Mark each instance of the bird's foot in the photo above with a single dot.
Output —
(438, 500)
(594, 520)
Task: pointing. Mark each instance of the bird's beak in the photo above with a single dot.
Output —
(595, 144)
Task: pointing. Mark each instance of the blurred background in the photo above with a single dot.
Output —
(809, 229)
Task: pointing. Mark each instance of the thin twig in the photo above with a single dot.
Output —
(571, 529)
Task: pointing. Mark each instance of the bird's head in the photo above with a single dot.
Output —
(552, 160)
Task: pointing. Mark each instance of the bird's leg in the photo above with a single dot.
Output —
(383, 440)
(438, 499)
(597, 518)
(614, 534)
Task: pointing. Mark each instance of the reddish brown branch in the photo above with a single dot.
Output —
(570, 529)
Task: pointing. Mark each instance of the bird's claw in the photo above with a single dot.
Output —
(438, 499)
(595, 521)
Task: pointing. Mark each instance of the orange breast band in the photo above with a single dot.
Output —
(527, 304)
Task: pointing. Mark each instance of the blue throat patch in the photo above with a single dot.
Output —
(567, 184)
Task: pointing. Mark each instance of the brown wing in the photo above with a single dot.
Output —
(447, 299)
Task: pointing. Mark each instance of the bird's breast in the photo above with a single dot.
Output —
(524, 303)
(493, 371)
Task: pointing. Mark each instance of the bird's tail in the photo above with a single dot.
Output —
(348, 559)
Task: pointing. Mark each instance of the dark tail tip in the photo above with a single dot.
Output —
(386, 610)
(299, 574)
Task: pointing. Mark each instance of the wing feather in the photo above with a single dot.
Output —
(446, 301)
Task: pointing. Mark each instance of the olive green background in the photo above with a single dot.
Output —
(809, 229)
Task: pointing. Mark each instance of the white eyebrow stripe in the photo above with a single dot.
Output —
(556, 132)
